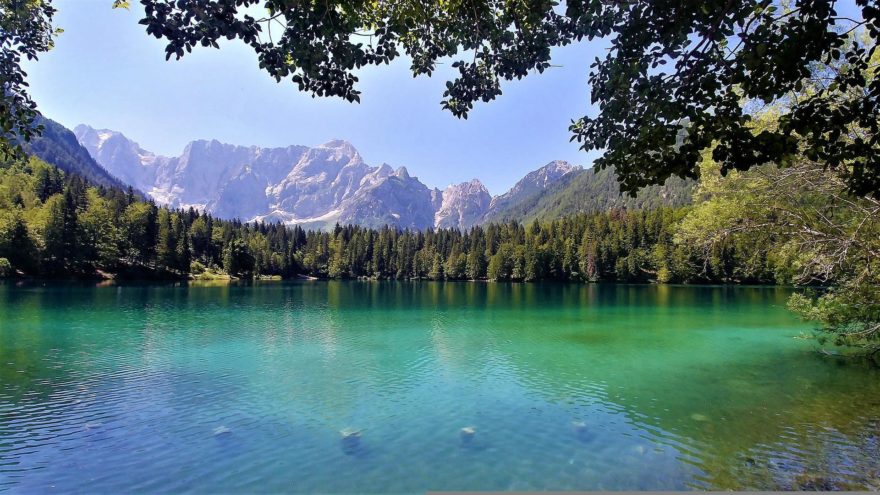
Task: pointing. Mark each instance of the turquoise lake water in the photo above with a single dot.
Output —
(247, 388)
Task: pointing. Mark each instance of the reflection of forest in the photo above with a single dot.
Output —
(713, 370)
(754, 406)
(744, 400)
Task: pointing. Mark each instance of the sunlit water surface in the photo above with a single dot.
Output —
(247, 388)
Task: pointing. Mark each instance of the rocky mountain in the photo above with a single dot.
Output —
(296, 184)
(462, 205)
(320, 186)
(58, 146)
(533, 184)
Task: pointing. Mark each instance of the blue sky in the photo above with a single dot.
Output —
(106, 72)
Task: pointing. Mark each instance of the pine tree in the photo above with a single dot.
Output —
(61, 236)
(166, 247)
(337, 265)
(436, 272)
(17, 246)
(182, 256)
(476, 265)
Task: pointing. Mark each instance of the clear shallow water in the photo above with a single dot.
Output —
(246, 388)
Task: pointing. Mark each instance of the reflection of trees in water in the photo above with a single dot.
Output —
(731, 398)
(626, 347)
(338, 332)
(42, 350)
(348, 354)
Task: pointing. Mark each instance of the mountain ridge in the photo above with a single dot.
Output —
(59, 146)
(330, 183)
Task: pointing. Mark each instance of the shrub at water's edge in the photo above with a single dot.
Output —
(5, 268)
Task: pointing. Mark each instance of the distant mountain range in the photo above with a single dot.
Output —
(320, 186)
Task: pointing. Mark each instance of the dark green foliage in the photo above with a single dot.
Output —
(25, 31)
(237, 259)
(140, 231)
(678, 80)
(87, 229)
(656, 121)
(17, 246)
(617, 245)
(49, 182)
(798, 224)
(80, 230)
(62, 236)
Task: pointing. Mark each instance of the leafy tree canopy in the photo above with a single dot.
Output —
(675, 82)
(25, 32)
(678, 79)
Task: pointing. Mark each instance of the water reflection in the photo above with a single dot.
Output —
(447, 386)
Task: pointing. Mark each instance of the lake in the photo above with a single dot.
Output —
(406, 387)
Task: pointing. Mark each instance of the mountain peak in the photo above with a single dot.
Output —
(205, 143)
(544, 176)
(560, 165)
(315, 186)
(102, 134)
(463, 205)
(339, 144)
(471, 186)
(92, 137)
(532, 184)
(82, 128)
(59, 146)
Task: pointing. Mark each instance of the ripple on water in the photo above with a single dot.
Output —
(236, 389)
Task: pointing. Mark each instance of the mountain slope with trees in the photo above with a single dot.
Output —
(59, 146)
(590, 191)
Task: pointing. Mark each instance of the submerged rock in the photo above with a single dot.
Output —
(350, 440)
(467, 434)
(582, 431)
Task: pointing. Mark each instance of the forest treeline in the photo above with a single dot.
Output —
(57, 225)
(795, 224)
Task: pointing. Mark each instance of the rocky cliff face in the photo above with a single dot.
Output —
(316, 186)
(297, 184)
(533, 183)
(397, 199)
(119, 155)
(463, 205)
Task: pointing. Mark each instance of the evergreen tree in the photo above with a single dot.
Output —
(62, 235)
(17, 246)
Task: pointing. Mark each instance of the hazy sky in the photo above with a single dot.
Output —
(106, 72)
